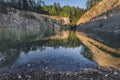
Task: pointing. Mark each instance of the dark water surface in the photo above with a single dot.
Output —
(34, 48)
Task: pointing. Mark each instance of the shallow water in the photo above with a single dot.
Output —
(33, 48)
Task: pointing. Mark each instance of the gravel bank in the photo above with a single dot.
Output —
(85, 74)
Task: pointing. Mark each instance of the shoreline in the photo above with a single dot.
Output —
(100, 73)
(85, 74)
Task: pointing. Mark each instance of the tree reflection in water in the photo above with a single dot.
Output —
(26, 41)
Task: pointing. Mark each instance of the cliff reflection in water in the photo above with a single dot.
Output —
(53, 50)
(33, 48)
(103, 55)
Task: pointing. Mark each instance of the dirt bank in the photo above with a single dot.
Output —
(100, 8)
(105, 30)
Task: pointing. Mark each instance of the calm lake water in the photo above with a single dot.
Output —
(38, 49)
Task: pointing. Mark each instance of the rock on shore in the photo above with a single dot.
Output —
(86, 74)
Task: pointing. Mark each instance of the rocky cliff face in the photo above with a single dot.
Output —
(105, 30)
(24, 19)
(102, 22)
(100, 8)
(62, 20)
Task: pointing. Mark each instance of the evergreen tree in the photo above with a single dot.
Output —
(32, 4)
(25, 4)
(91, 3)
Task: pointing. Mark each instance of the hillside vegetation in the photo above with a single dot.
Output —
(73, 13)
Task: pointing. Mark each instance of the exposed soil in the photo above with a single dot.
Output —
(105, 30)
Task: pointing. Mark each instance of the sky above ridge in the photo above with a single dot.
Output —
(79, 3)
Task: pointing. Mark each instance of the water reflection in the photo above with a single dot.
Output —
(32, 48)
(54, 59)
(53, 50)
(10, 36)
(103, 55)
